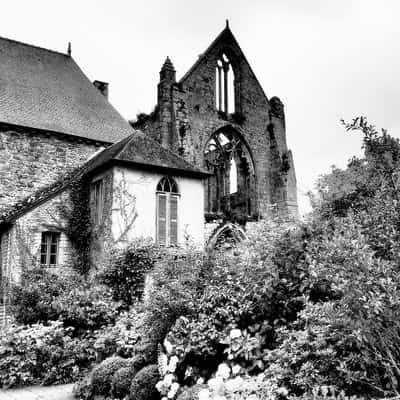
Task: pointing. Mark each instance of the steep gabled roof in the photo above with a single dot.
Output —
(136, 150)
(47, 90)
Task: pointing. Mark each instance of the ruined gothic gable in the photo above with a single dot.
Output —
(220, 95)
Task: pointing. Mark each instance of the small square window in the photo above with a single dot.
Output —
(49, 248)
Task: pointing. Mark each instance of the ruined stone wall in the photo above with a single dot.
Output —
(188, 116)
(32, 160)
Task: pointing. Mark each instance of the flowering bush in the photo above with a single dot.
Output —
(42, 354)
(231, 383)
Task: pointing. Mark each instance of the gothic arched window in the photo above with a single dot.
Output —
(224, 85)
(167, 212)
(232, 185)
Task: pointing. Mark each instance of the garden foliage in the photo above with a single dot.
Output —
(42, 354)
(125, 274)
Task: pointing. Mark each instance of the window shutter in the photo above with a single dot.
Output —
(173, 219)
(162, 219)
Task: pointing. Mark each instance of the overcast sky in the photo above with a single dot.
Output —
(326, 60)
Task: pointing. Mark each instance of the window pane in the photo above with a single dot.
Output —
(173, 214)
(53, 259)
(162, 219)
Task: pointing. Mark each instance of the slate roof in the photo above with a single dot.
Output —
(47, 90)
(136, 150)
(141, 151)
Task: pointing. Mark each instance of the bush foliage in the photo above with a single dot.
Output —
(128, 267)
(42, 354)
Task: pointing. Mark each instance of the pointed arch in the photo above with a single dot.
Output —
(228, 232)
(232, 187)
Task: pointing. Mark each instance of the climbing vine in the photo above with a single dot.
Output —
(78, 227)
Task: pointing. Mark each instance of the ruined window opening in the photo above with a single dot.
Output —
(49, 248)
(167, 212)
(224, 85)
(97, 194)
(233, 177)
(232, 184)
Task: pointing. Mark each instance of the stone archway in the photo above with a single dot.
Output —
(226, 236)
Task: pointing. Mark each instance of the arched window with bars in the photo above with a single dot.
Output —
(167, 195)
(224, 85)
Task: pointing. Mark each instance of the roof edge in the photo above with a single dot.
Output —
(24, 128)
(36, 47)
(147, 166)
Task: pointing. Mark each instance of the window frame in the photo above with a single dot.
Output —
(97, 201)
(47, 241)
(168, 221)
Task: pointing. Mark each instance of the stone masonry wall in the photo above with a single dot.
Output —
(32, 160)
(25, 235)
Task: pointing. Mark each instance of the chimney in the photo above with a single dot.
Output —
(102, 87)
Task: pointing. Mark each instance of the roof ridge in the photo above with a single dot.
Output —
(166, 149)
(34, 46)
(202, 55)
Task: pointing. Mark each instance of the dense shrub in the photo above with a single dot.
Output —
(121, 382)
(102, 374)
(127, 270)
(87, 307)
(121, 337)
(143, 385)
(44, 296)
(32, 299)
(41, 354)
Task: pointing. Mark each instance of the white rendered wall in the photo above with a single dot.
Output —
(134, 206)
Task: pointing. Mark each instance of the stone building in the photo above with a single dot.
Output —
(208, 162)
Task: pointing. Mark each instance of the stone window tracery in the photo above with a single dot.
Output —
(231, 188)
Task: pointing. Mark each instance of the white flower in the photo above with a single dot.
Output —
(160, 386)
(168, 346)
(168, 379)
(173, 390)
(173, 363)
(235, 333)
(223, 371)
(236, 369)
(282, 391)
(204, 394)
(233, 385)
(216, 384)
(200, 381)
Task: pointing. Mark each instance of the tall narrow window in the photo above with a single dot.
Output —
(233, 176)
(97, 201)
(49, 248)
(167, 212)
(224, 85)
